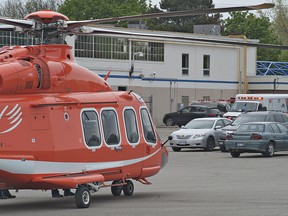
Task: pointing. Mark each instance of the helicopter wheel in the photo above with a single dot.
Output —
(82, 197)
(116, 190)
(128, 189)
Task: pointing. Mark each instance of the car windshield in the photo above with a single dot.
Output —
(251, 128)
(199, 124)
(248, 118)
(228, 107)
(241, 106)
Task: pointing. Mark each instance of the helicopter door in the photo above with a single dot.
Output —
(112, 136)
(133, 148)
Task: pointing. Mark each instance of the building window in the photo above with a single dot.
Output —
(131, 126)
(185, 64)
(148, 130)
(14, 38)
(91, 128)
(122, 88)
(206, 65)
(90, 46)
(110, 127)
(152, 51)
(185, 101)
(83, 46)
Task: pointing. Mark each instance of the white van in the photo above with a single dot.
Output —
(257, 102)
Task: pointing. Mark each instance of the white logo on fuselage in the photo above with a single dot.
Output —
(10, 118)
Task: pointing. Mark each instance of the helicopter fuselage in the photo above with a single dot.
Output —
(61, 125)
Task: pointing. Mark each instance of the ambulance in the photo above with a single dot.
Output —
(257, 102)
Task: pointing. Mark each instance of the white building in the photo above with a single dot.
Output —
(176, 68)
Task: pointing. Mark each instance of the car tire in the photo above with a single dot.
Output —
(210, 144)
(222, 148)
(270, 150)
(169, 122)
(235, 154)
(176, 149)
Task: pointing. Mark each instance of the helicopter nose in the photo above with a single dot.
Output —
(164, 157)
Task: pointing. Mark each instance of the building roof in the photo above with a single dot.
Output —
(167, 35)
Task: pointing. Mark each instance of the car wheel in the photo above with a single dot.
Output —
(235, 154)
(270, 150)
(176, 149)
(210, 144)
(169, 122)
(222, 148)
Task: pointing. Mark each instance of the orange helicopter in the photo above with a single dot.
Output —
(62, 126)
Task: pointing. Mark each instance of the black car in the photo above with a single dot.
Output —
(259, 116)
(223, 107)
(188, 113)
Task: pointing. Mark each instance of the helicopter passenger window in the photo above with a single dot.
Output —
(110, 127)
(91, 128)
(148, 130)
(131, 126)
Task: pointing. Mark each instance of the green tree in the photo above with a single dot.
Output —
(280, 20)
(96, 9)
(19, 9)
(280, 25)
(182, 24)
(254, 27)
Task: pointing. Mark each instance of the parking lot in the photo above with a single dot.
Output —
(194, 182)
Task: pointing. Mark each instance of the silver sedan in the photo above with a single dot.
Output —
(199, 133)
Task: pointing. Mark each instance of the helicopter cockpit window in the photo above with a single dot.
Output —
(91, 128)
(110, 127)
(148, 130)
(131, 126)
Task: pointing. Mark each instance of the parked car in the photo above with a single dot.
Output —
(188, 113)
(199, 133)
(262, 137)
(222, 106)
(259, 116)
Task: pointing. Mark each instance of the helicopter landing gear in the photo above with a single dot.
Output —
(82, 197)
(118, 186)
(128, 188)
(83, 192)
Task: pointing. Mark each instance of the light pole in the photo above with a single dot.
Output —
(140, 54)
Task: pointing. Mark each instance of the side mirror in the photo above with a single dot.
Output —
(217, 127)
(182, 126)
(169, 138)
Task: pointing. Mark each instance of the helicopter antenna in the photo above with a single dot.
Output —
(107, 75)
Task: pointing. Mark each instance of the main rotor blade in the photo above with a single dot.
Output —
(7, 28)
(75, 24)
(26, 24)
(104, 31)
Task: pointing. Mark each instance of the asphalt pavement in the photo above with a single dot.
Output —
(194, 182)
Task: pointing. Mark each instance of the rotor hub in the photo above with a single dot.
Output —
(46, 16)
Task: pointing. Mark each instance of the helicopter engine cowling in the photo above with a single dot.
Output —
(18, 77)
